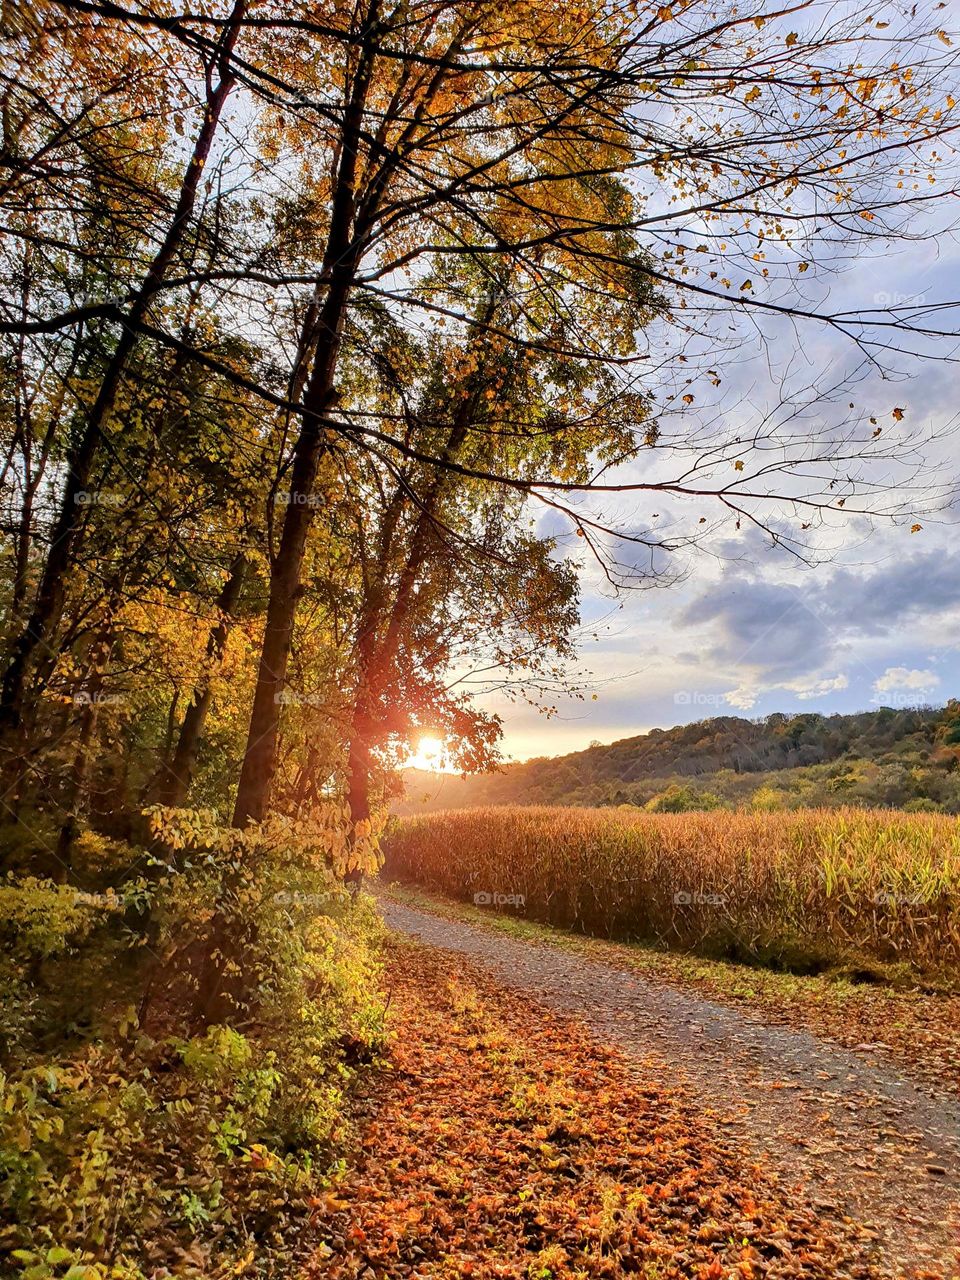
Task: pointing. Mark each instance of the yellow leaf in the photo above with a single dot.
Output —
(738, 466)
(916, 528)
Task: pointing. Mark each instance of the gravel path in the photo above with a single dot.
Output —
(852, 1134)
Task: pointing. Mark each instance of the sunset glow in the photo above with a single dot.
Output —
(430, 754)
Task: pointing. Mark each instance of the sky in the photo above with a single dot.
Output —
(746, 628)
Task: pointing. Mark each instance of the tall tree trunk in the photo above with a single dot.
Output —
(358, 766)
(305, 786)
(23, 547)
(37, 634)
(79, 779)
(340, 260)
(177, 774)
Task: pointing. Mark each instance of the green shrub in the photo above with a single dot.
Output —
(130, 1138)
(678, 799)
(922, 805)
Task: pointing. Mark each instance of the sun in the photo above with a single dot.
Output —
(430, 754)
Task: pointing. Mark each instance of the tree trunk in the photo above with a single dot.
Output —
(358, 777)
(177, 774)
(341, 256)
(83, 756)
(79, 778)
(23, 545)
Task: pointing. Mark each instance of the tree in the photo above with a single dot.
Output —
(177, 768)
(36, 634)
(397, 117)
(448, 578)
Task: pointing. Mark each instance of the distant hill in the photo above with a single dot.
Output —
(887, 756)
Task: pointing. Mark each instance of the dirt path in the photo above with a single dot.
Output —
(855, 1138)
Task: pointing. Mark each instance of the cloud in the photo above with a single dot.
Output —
(764, 625)
(787, 634)
(906, 680)
(817, 688)
(743, 697)
(917, 587)
(746, 695)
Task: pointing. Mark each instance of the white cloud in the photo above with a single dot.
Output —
(906, 680)
(743, 697)
(806, 689)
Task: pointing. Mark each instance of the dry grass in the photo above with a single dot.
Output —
(804, 890)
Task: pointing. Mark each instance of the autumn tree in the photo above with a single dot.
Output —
(449, 576)
(53, 114)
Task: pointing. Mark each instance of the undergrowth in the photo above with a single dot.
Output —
(138, 1136)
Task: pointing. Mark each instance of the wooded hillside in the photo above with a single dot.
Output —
(887, 756)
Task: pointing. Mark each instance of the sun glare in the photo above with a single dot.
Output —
(429, 754)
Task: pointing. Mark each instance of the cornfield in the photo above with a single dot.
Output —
(802, 890)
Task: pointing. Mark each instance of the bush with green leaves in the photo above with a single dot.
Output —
(676, 799)
(140, 1134)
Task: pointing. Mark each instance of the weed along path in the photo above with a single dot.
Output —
(844, 1131)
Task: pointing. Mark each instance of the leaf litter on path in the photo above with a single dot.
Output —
(855, 1140)
(506, 1141)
